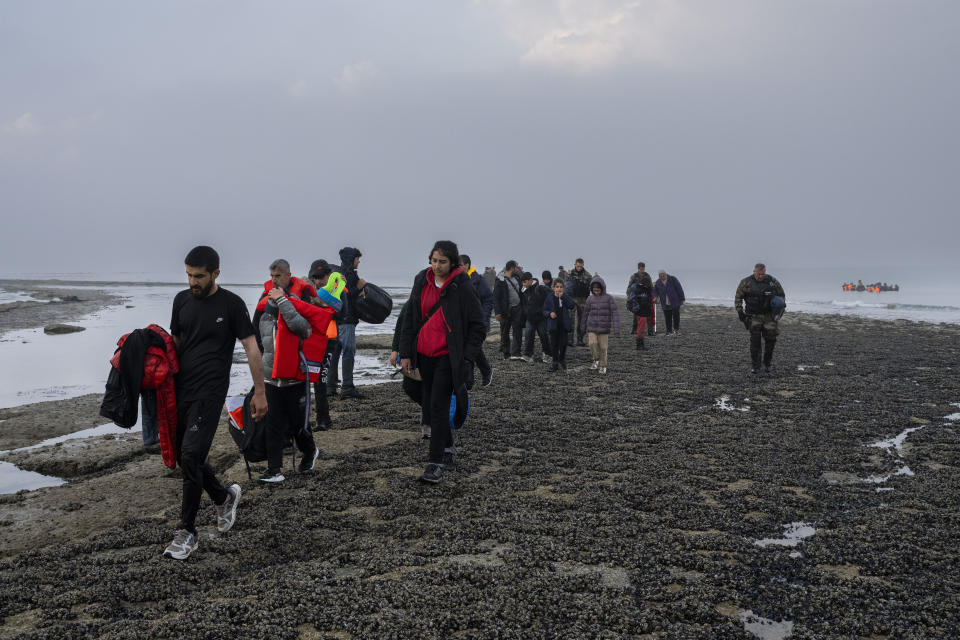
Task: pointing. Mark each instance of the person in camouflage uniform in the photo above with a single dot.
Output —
(752, 302)
(578, 286)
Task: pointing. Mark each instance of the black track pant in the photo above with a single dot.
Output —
(437, 389)
(196, 425)
(285, 421)
(511, 322)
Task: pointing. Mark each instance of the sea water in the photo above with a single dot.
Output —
(54, 367)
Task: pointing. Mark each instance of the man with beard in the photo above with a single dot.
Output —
(206, 323)
(578, 286)
(754, 302)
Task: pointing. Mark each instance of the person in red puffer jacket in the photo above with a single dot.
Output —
(442, 338)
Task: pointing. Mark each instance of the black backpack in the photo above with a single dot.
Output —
(373, 304)
(250, 435)
(638, 299)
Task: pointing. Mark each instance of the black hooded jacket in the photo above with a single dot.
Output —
(349, 313)
(466, 329)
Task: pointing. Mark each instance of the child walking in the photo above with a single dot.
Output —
(600, 316)
(557, 308)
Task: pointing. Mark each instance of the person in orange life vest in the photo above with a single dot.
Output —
(320, 271)
(207, 321)
(289, 326)
(441, 336)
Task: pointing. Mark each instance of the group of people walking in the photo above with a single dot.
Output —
(301, 327)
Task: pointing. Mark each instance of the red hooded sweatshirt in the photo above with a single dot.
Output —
(432, 340)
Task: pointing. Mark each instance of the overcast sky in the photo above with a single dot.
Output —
(689, 134)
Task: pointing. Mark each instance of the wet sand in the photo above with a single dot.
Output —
(629, 505)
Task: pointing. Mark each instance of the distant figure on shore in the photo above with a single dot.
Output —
(347, 326)
(670, 294)
(578, 286)
(442, 334)
(509, 311)
(486, 303)
(601, 317)
(562, 274)
(757, 309)
(207, 321)
(640, 298)
(490, 277)
(534, 294)
(558, 310)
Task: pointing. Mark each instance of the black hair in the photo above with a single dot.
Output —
(580, 260)
(203, 256)
(510, 265)
(760, 265)
(464, 258)
(447, 249)
(545, 276)
(641, 264)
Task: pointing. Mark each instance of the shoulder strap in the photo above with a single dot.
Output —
(433, 310)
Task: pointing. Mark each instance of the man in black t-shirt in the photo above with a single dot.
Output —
(206, 323)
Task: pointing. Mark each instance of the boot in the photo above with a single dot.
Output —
(768, 354)
(755, 351)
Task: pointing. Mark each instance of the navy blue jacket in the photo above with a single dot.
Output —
(550, 306)
(672, 289)
(485, 295)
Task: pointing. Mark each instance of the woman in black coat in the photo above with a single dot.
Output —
(441, 337)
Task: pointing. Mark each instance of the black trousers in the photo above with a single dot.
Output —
(558, 340)
(482, 363)
(437, 390)
(511, 322)
(196, 425)
(285, 415)
(320, 386)
(673, 319)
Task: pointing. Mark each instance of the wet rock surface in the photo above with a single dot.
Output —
(621, 506)
(52, 305)
(60, 329)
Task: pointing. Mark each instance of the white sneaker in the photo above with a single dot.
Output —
(184, 543)
(595, 365)
(547, 359)
(528, 359)
(425, 430)
(227, 512)
(603, 369)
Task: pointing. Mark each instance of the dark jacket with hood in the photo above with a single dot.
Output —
(578, 284)
(501, 294)
(484, 293)
(637, 284)
(461, 318)
(533, 297)
(349, 315)
(600, 312)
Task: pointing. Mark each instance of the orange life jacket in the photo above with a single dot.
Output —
(287, 345)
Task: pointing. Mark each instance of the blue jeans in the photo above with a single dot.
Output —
(346, 347)
(148, 418)
(541, 329)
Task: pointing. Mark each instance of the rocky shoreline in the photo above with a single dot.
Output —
(676, 497)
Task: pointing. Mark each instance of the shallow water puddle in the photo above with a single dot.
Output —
(723, 403)
(765, 628)
(793, 534)
(893, 446)
(14, 479)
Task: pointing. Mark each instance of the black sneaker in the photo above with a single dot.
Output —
(563, 365)
(308, 461)
(486, 379)
(323, 424)
(449, 461)
(433, 473)
(555, 366)
(755, 370)
(271, 476)
(351, 393)
(767, 368)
